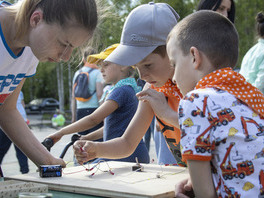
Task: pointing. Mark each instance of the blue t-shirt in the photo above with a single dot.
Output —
(116, 123)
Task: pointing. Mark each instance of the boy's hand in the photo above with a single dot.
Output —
(159, 105)
(84, 151)
(184, 189)
(157, 100)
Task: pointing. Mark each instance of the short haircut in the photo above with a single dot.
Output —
(214, 5)
(211, 33)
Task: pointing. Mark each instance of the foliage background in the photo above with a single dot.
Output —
(54, 79)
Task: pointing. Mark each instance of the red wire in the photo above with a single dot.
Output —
(90, 169)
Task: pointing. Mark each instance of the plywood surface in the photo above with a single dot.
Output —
(154, 181)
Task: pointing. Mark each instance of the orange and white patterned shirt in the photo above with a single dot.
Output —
(218, 126)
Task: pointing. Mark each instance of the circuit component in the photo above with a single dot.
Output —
(50, 171)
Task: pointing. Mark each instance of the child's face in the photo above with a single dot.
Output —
(155, 69)
(51, 42)
(111, 72)
(184, 74)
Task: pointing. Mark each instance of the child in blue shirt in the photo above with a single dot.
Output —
(117, 110)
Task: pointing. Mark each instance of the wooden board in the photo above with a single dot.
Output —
(154, 181)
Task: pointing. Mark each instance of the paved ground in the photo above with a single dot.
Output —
(41, 129)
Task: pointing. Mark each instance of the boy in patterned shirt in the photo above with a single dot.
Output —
(221, 115)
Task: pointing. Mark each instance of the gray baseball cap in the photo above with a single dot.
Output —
(146, 27)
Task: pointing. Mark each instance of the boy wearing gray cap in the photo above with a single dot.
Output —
(143, 44)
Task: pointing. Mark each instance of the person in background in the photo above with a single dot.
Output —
(252, 67)
(81, 109)
(224, 7)
(119, 106)
(33, 31)
(221, 116)
(5, 142)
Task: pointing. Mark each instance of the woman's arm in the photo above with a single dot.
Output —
(87, 122)
(119, 147)
(17, 130)
(201, 177)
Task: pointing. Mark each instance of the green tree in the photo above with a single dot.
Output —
(42, 84)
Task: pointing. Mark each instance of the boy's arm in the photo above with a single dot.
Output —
(119, 147)
(201, 177)
(159, 104)
(86, 122)
(95, 135)
(17, 130)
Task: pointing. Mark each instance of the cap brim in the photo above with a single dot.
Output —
(93, 59)
(126, 55)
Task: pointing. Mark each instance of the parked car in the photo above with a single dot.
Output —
(42, 104)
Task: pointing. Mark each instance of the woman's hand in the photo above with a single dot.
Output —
(59, 161)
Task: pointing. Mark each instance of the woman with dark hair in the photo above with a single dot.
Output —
(224, 7)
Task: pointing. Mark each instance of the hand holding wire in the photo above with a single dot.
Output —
(84, 151)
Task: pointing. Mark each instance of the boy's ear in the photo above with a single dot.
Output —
(36, 18)
(196, 57)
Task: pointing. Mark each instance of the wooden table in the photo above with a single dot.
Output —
(153, 181)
